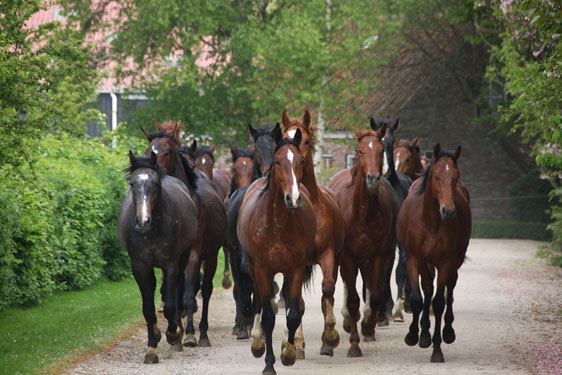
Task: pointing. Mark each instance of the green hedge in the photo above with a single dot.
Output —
(511, 229)
(58, 219)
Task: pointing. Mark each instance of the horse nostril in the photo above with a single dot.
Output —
(288, 199)
(454, 211)
(444, 211)
(299, 200)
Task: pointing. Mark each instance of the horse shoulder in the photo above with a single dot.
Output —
(337, 178)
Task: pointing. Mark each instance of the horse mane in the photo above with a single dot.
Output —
(204, 151)
(242, 154)
(284, 141)
(161, 134)
(425, 173)
(144, 163)
(406, 143)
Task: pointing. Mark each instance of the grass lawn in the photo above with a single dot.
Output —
(67, 325)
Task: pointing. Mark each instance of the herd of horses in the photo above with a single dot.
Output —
(270, 216)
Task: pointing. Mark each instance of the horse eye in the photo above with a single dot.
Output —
(408, 160)
(302, 160)
(436, 178)
(306, 142)
(277, 163)
(360, 152)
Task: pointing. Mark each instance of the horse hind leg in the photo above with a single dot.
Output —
(401, 278)
(427, 277)
(189, 300)
(226, 282)
(438, 307)
(206, 291)
(412, 337)
(294, 317)
(330, 335)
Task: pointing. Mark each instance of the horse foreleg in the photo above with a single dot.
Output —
(348, 273)
(387, 304)
(412, 337)
(294, 317)
(375, 281)
(189, 302)
(427, 276)
(330, 335)
(206, 290)
(174, 331)
(144, 276)
(448, 331)
(226, 282)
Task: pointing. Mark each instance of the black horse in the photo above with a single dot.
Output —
(401, 184)
(263, 148)
(157, 224)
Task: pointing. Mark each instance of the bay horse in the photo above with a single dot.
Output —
(210, 234)
(276, 227)
(407, 158)
(434, 224)
(220, 177)
(262, 156)
(369, 206)
(330, 232)
(401, 183)
(242, 166)
(157, 224)
(205, 161)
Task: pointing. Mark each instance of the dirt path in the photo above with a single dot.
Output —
(508, 320)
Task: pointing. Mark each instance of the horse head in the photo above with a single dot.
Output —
(205, 161)
(242, 164)
(442, 179)
(290, 127)
(263, 149)
(144, 182)
(287, 167)
(172, 128)
(407, 157)
(388, 140)
(164, 145)
(369, 156)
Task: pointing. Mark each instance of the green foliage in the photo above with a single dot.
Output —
(529, 198)
(511, 229)
(46, 81)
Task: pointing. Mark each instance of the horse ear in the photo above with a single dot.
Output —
(131, 157)
(212, 148)
(193, 146)
(253, 148)
(436, 151)
(285, 119)
(232, 149)
(374, 125)
(395, 125)
(178, 125)
(146, 134)
(306, 118)
(158, 126)
(298, 137)
(153, 158)
(253, 132)
(457, 154)
(277, 135)
(381, 133)
(357, 132)
(414, 142)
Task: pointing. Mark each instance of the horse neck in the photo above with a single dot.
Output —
(363, 201)
(418, 167)
(276, 207)
(309, 179)
(430, 206)
(177, 170)
(389, 156)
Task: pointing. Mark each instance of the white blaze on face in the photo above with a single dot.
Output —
(144, 207)
(154, 149)
(203, 161)
(295, 187)
(292, 133)
(397, 160)
(244, 162)
(447, 168)
(143, 177)
(371, 145)
(385, 163)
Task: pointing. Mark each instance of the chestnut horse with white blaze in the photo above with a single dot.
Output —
(434, 224)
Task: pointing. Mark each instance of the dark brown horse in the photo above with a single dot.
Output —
(210, 237)
(173, 129)
(330, 231)
(205, 161)
(276, 228)
(407, 158)
(369, 206)
(157, 224)
(434, 224)
(242, 165)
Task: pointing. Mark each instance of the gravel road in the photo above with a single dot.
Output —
(508, 320)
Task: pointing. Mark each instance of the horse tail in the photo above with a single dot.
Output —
(308, 276)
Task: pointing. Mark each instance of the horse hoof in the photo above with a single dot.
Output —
(383, 323)
(346, 325)
(235, 330)
(289, 355)
(226, 282)
(157, 333)
(204, 342)
(190, 341)
(369, 338)
(300, 354)
(397, 317)
(151, 357)
(437, 357)
(449, 335)
(242, 335)
(367, 330)
(258, 348)
(354, 352)
(411, 339)
(425, 340)
(326, 350)
(331, 338)
(173, 338)
(269, 371)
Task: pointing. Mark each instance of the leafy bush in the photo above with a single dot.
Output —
(529, 198)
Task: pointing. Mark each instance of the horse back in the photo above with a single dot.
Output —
(212, 217)
(222, 178)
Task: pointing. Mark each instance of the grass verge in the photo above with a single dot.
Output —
(67, 327)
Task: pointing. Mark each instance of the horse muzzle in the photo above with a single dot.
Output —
(143, 224)
(292, 201)
(373, 181)
(447, 213)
